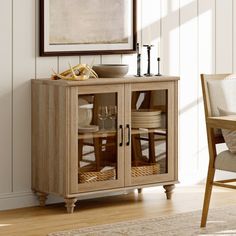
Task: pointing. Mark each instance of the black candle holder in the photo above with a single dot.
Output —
(149, 60)
(138, 62)
(158, 67)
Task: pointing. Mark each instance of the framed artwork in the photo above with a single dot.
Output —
(87, 27)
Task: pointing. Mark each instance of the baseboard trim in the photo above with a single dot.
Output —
(16, 200)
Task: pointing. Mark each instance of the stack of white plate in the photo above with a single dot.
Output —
(88, 128)
(146, 118)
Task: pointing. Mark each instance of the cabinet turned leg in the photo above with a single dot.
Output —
(42, 197)
(169, 190)
(70, 204)
(140, 190)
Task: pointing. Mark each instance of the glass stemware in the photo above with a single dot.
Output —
(102, 115)
(112, 113)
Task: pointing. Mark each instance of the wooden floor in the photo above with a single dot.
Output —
(36, 221)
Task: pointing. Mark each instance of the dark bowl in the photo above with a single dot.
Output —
(111, 70)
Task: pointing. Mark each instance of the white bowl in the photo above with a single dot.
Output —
(111, 70)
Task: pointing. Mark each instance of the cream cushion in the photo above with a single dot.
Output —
(222, 94)
(229, 135)
(226, 160)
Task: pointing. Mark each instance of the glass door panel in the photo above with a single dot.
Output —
(151, 155)
(97, 138)
(149, 133)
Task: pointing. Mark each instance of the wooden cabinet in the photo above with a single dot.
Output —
(103, 135)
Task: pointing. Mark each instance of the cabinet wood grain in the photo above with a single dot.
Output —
(55, 149)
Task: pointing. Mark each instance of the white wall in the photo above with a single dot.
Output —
(195, 36)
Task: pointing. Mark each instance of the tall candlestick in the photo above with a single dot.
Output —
(149, 60)
(138, 61)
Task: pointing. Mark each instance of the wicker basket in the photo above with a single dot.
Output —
(144, 169)
(90, 174)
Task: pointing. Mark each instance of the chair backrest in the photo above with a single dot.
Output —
(210, 87)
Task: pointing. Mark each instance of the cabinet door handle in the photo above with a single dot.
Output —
(121, 135)
(129, 132)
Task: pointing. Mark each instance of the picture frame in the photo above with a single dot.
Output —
(87, 27)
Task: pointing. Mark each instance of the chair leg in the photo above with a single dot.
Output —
(207, 197)
(151, 144)
(97, 151)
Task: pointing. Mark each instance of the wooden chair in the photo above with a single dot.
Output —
(224, 160)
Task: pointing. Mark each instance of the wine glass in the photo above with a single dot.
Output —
(112, 113)
(102, 115)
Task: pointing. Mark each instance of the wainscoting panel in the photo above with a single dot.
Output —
(206, 60)
(44, 65)
(189, 83)
(6, 97)
(23, 70)
(112, 59)
(224, 36)
(90, 60)
(170, 37)
(63, 62)
(131, 60)
(206, 35)
(151, 32)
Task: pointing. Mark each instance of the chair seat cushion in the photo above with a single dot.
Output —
(226, 160)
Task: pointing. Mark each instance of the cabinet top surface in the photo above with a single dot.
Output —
(101, 81)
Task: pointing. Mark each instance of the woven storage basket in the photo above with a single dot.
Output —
(144, 169)
(90, 174)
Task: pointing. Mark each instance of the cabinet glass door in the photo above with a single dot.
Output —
(151, 130)
(99, 120)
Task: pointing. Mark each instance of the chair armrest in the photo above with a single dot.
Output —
(222, 122)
